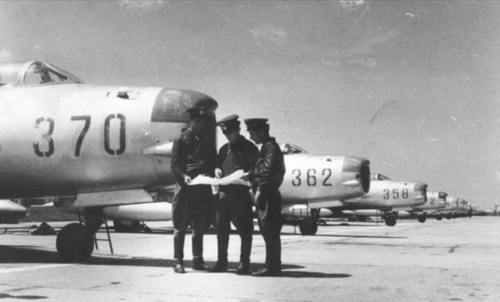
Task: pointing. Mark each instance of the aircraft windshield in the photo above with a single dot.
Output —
(33, 73)
(291, 149)
(380, 177)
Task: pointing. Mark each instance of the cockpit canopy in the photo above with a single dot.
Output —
(33, 73)
(379, 177)
(291, 149)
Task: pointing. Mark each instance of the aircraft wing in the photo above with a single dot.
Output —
(103, 199)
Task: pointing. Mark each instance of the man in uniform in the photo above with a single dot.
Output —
(266, 179)
(235, 201)
(194, 153)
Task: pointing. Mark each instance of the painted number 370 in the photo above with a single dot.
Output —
(86, 119)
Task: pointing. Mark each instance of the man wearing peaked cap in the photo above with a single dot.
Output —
(235, 202)
(266, 178)
(194, 153)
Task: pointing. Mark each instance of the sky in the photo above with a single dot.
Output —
(410, 85)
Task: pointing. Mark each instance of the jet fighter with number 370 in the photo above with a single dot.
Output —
(101, 147)
(92, 146)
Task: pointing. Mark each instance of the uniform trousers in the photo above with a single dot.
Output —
(234, 205)
(190, 206)
(270, 223)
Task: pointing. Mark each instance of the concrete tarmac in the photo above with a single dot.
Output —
(449, 260)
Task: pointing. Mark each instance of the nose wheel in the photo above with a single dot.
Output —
(421, 219)
(74, 243)
(308, 226)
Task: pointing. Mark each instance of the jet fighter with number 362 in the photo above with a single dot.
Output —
(317, 182)
(311, 184)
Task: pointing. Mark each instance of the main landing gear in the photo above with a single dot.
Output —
(390, 218)
(309, 224)
(75, 242)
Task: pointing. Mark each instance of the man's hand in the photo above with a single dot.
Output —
(256, 197)
(218, 172)
(245, 176)
(187, 179)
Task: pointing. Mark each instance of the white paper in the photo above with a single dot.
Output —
(233, 179)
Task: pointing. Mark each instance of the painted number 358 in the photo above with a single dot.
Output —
(86, 119)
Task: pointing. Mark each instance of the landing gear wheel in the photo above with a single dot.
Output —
(74, 244)
(439, 217)
(421, 219)
(308, 226)
(390, 221)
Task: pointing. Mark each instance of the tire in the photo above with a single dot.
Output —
(308, 226)
(74, 244)
(390, 222)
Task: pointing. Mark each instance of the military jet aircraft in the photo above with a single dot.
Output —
(11, 212)
(317, 182)
(311, 184)
(435, 201)
(100, 148)
(451, 209)
(387, 198)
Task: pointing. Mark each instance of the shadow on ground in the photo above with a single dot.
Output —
(31, 254)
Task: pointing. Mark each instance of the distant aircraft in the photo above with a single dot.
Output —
(455, 207)
(435, 201)
(96, 146)
(387, 198)
(11, 212)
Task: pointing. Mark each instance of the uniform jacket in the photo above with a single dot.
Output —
(239, 155)
(270, 167)
(193, 155)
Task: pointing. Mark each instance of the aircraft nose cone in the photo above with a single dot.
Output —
(171, 105)
(361, 167)
(421, 187)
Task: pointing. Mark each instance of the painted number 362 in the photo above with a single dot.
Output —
(311, 177)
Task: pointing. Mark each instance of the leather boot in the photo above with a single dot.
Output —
(200, 265)
(243, 268)
(266, 272)
(179, 267)
(220, 267)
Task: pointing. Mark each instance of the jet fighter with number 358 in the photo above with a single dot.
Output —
(389, 197)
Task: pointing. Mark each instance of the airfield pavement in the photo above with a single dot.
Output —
(449, 260)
